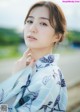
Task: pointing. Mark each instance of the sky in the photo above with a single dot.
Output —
(13, 13)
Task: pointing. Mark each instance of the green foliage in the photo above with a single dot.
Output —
(9, 37)
(73, 36)
(10, 51)
(12, 37)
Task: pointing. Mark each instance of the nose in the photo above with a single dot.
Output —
(33, 28)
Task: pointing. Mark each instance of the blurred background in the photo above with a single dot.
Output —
(12, 15)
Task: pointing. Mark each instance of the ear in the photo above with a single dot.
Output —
(57, 37)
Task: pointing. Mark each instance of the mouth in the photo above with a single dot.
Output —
(31, 38)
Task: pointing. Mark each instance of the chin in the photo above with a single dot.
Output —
(32, 46)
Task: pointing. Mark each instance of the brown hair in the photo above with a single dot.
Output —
(56, 16)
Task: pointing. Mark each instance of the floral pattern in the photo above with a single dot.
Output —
(45, 91)
(48, 60)
(62, 82)
(1, 95)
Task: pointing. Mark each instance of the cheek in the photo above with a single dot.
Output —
(47, 35)
(26, 30)
(47, 32)
(25, 33)
(24, 37)
(46, 41)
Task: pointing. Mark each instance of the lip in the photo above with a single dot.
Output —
(31, 38)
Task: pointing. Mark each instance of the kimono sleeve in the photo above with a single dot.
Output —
(7, 85)
(45, 99)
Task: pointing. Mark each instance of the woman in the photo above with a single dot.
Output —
(38, 84)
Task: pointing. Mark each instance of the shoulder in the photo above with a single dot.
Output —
(51, 73)
(55, 75)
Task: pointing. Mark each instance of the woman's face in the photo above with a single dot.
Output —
(38, 32)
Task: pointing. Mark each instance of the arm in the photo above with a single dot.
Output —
(20, 67)
(12, 84)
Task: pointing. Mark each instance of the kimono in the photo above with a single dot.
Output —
(40, 88)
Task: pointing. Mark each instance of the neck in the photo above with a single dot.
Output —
(38, 53)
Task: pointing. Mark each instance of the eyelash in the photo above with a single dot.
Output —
(29, 21)
(44, 24)
(41, 23)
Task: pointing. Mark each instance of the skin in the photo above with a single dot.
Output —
(38, 26)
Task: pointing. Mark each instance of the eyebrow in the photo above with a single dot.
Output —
(39, 18)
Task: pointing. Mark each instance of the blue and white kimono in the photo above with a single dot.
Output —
(40, 88)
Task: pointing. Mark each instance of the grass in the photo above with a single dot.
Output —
(7, 52)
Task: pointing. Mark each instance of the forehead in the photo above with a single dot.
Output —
(40, 12)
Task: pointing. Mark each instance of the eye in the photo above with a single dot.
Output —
(43, 24)
(29, 21)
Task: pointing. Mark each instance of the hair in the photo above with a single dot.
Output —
(56, 16)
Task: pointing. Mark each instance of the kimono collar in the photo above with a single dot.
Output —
(47, 60)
